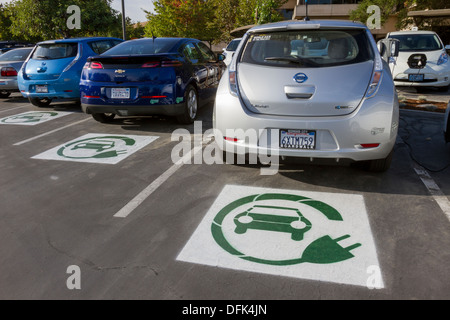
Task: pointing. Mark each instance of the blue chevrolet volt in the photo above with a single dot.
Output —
(151, 76)
(54, 68)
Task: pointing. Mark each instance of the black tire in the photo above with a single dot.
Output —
(380, 165)
(103, 117)
(4, 94)
(41, 103)
(190, 106)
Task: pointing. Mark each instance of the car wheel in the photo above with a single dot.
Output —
(190, 106)
(380, 165)
(4, 94)
(44, 102)
(103, 117)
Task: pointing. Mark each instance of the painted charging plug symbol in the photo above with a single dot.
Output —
(327, 250)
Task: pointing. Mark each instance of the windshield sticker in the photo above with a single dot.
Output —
(261, 38)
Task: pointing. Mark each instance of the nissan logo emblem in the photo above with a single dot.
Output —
(300, 77)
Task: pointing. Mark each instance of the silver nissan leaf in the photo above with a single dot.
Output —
(312, 89)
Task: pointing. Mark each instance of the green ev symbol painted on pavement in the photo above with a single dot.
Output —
(29, 117)
(323, 250)
(96, 147)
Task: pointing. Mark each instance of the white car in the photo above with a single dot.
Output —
(422, 60)
(278, 97)
(230, 49)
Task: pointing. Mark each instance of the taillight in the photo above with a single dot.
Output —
(369, 145)
(96, 65)
(152, 64)
(233, 82)
(8, 72)
(171, 63)
(376, 77)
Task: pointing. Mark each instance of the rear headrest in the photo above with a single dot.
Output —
(338, 48)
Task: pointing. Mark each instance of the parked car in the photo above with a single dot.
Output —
(10, 64)
(422, 61)
(54, 68)
(6, 46)
(161, 76)
(230, 49)
(301, 103)
(447, 123)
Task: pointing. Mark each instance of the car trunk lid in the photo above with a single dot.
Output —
(306, 92)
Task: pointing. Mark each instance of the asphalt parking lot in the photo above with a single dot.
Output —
(101, 211)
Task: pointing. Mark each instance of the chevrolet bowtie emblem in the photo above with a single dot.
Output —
(120, 71)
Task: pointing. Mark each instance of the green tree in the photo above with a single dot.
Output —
(182, 18)
(5, 21)
(47, 19)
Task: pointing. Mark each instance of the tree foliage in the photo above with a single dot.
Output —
(47, 19)
(400, 8)
(208, 19)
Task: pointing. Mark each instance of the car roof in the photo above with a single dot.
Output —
(84, 39)
(411, 32)
(310, 24)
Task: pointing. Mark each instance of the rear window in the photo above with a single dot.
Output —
(308, 48)
(55, 51)
(418, 42)
(143, 47)
(16, 55)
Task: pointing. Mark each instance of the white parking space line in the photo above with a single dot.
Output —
(440, 198)
(50, 132)
(144, 194)
(7, 110)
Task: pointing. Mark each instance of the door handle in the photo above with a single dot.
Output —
(299, 92)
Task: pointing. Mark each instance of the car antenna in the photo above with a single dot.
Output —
(306, 15)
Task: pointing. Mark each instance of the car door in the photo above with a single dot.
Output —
(198, 70)
(214, 67)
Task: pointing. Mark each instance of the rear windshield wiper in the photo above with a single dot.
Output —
(293, 59)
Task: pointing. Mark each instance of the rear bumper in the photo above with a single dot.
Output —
(8, 85)
(135, 110)
(62, 88)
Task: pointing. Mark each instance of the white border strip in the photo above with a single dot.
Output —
(49, 132)
(144, 194)
(440, 198)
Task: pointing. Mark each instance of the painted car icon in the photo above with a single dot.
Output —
(272, 218)
(98, 145)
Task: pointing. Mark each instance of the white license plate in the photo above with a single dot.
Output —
(41, 89)
(415, 77)
(298, 139)
(120, 93)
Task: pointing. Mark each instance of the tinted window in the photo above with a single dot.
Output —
(207, 54)
(308, 48)
(16, 55)
(101, 46)
(144, 47)
(55, 51)
(191, 52)
(418, 42)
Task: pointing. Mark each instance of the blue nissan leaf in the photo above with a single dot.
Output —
(151, 76)
(54, 68)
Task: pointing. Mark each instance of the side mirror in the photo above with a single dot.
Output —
(447, 48)
(381, 47)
